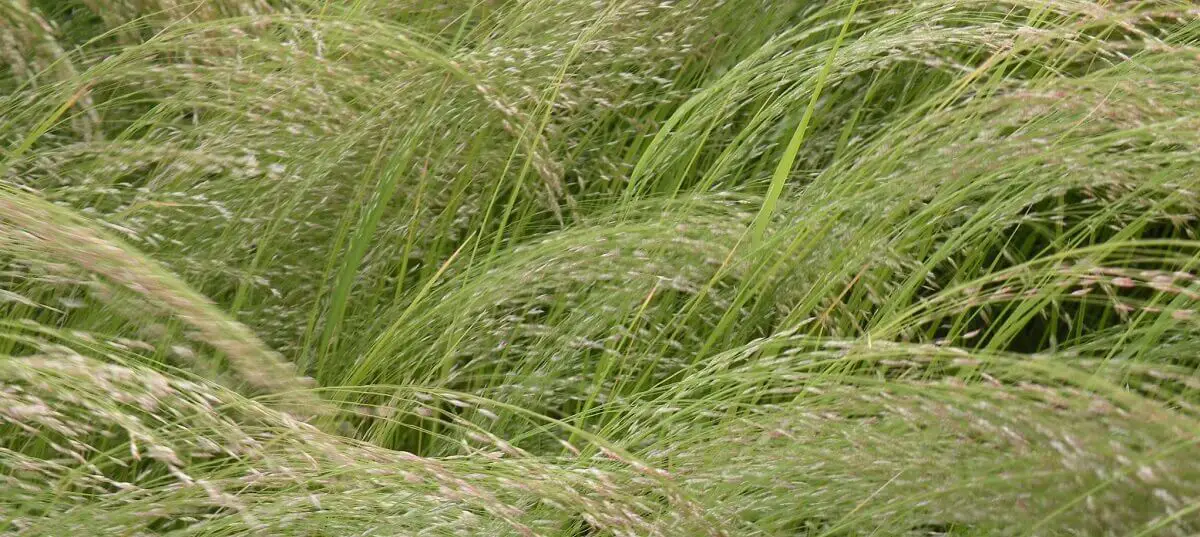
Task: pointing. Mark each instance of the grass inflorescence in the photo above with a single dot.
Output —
(582, 268)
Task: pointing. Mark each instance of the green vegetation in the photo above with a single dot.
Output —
(599, 267)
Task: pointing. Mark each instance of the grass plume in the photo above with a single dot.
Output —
(622, 267)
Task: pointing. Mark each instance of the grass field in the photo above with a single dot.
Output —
(599, 267)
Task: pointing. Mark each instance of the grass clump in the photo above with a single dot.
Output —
(568, 268)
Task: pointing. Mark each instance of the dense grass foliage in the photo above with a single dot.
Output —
(599, 267)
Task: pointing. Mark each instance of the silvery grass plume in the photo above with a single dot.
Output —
(622, 267)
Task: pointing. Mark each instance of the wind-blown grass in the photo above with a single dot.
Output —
(632, 267)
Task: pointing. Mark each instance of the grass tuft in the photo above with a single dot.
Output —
(577, 268)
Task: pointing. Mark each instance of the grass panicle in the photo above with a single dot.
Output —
(584, 268)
